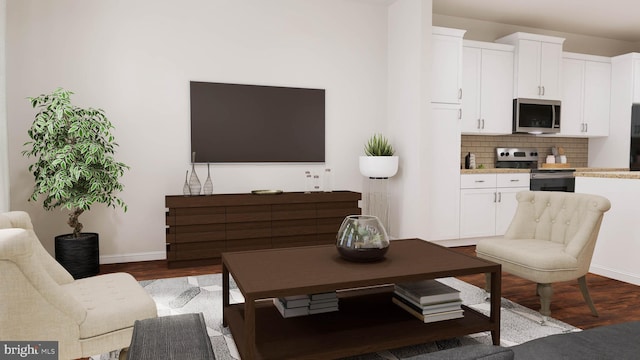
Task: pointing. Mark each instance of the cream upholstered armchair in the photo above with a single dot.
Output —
(551, 239)
(40, 300)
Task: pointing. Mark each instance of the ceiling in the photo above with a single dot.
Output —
(612, 19)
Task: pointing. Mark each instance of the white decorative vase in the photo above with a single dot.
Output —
(378, 167)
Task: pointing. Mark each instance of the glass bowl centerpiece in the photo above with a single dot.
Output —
(362, 238)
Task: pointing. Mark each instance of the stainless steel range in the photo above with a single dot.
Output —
(541, 179)
(517, 158)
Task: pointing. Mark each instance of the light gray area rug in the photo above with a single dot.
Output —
(195, 294)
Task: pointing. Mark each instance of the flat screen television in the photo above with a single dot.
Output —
(235, 123)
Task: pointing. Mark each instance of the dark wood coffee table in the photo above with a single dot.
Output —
(367, 321)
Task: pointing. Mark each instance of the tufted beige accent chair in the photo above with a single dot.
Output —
(40, 300)
(550, 239)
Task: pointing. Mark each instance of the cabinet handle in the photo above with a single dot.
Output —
(495, 197)
(586, 127)
(539, 90)
(543, 91)
(483, 123)
(479, 181)
(459, 114)
(581, 127)
(460, 94)
(499, 197)
(478, 127)
(514, 180)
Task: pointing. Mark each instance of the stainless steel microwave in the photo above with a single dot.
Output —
(535, 116)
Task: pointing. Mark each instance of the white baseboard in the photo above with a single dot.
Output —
(615, 274)
(125, 258)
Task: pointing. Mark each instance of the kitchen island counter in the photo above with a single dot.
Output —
(493, 171)
(583, 171)
(615, 255)
(613, 174)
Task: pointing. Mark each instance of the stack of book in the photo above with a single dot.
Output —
(300, 305)
(429, 300)
(290, 306)
(323, 302)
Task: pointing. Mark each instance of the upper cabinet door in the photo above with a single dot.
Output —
(497, 87)
(487, 85)
(446, 65)
(550, 65)
(597, 97)
(527, 78)
(471, 80)
(636, 81)
(586, 95)
(538, 65)
(571, 117)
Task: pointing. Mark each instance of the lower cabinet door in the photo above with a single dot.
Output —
(506, 208)
(477, 212)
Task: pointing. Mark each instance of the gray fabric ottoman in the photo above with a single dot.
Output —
(176, 337)
(619, 341)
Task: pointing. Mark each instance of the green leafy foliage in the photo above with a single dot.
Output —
(378, 145)
(73, 150)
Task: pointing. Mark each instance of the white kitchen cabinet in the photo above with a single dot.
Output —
(487, 85)
(586, 95)
(506, 206)
(446, 65)
(443, 185)
(636, 81)
(537, 68)
(488, 202)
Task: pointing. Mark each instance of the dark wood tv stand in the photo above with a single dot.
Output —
(200, 228)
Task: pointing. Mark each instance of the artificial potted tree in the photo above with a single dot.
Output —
(380, 161)
(74, 168)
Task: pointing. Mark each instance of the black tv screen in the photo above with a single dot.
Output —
(235, 123)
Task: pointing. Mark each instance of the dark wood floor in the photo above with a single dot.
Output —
(616, 301)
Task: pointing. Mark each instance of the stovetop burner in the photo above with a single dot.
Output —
(517, 158)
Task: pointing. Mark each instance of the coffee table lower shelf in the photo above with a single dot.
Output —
(364, 324)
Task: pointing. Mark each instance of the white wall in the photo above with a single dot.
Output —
(135, 59)
(4, 148)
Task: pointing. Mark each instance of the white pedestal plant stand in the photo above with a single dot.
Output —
(375, 197)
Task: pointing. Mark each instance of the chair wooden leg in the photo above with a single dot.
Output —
(123, 354)
(545, 291)
(582, 281)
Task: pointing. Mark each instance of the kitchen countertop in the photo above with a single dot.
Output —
(493, 171)
(625, 174)
(579, 171)
(597, 169)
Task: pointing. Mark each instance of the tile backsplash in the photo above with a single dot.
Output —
(484, 147)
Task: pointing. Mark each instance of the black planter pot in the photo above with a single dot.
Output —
(79, 256)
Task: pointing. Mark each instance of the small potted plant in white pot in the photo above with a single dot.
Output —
(380, 161)
(74, 168)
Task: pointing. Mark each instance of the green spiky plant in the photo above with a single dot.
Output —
(73, 148)
(378, 145)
